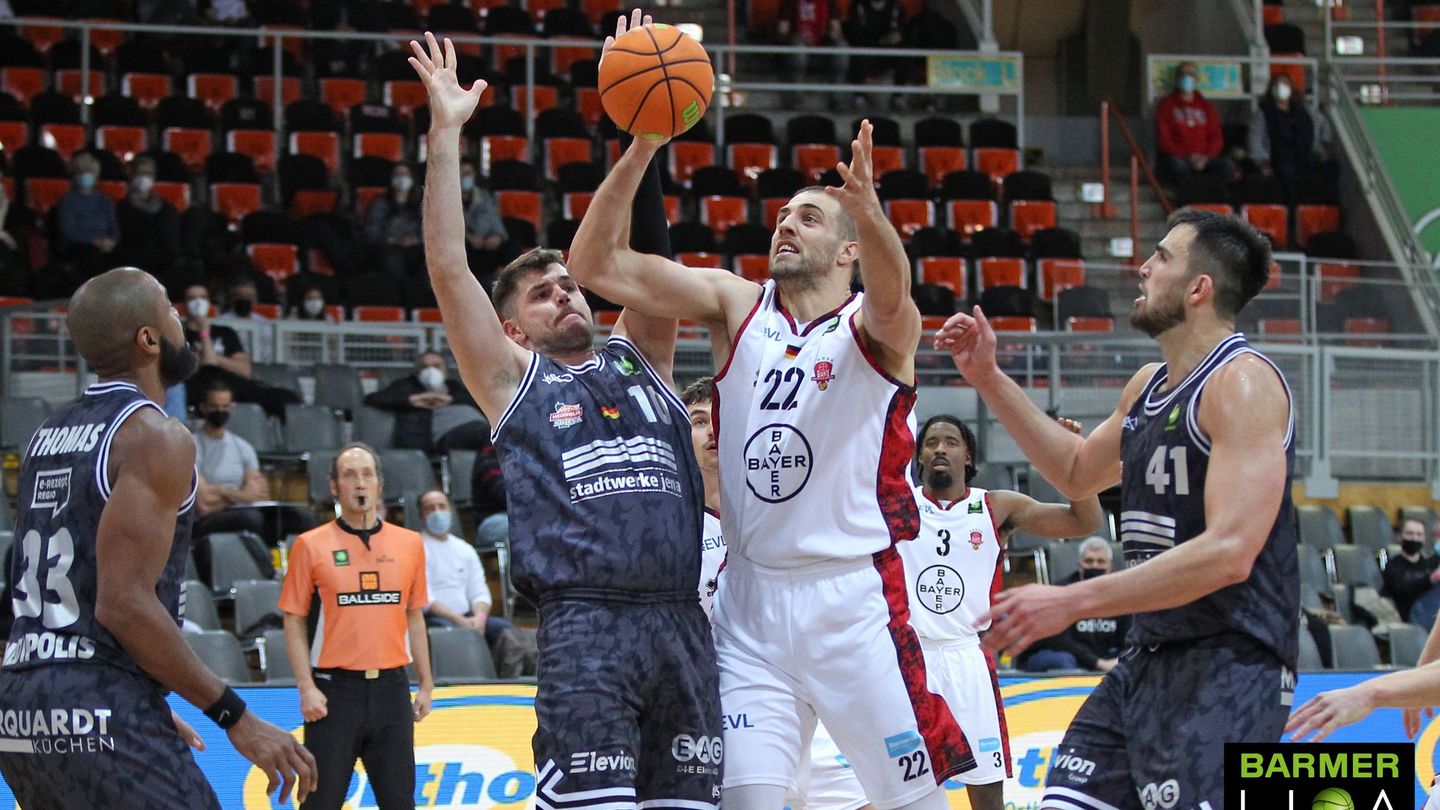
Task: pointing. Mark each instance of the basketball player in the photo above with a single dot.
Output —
(605, 500)
(813, 404)
(107, 497)
(1206, 441)
(953, 569)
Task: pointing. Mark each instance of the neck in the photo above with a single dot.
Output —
(1284, 105)
(360, 519)
(1186, 345)
(1190, 96)
(807, 301)
(573, 358)
(212, 431)
(427, 533)
(711, 478)
(954, 492)
(148, 383)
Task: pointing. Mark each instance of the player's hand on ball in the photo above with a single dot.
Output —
(450, 104)
(187, 733)
(857, 195)
(1328, 711)
(285, 762)
(636, 20)
(971, 343)
(1025, 615)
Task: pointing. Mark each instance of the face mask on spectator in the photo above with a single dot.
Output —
(1187, 84)
(243, 306)
(1091, 573)
(403, 182)
(432, 378)
(85, 181)
(217, 419)
(437, 524)
(198, 307)
(1411, 547)
(467, 182)
(313, 306)
(1282, 91)
(142, 183)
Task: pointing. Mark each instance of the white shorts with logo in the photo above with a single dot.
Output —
(1433, 803)
(830, 643)
(826, 780)
(961, 672)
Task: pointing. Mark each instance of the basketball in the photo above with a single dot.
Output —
(1332, 799)
(656, 82)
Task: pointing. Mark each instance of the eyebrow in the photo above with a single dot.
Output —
(812, 206)
(1162, 250)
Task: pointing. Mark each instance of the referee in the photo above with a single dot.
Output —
(369, 579)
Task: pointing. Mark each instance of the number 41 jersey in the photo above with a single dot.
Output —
(54, 577)
(1166, 460)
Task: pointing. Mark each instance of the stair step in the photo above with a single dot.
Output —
(1085, 212)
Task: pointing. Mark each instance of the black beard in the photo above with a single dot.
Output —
(177, 362)
(939, 479)
(561, 343)
(1157, 318)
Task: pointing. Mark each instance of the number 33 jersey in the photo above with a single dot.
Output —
(814, 441)
(1166, 458)
(64, 486)
(952, 567)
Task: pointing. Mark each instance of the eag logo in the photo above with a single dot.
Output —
(705, 750)
(1334, 776)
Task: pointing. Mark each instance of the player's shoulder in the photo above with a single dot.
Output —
(156, 433)
(409, 537)
(1137, 384)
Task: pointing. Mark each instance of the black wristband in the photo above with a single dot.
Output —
(226, 711)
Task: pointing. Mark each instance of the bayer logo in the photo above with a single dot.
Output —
(940, 589)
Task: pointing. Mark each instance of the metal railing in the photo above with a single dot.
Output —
(1138, 163)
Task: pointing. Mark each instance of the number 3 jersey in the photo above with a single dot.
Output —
(1166, 460)
(64, 486)
(602, 486)
(952, 567)
(814, 441)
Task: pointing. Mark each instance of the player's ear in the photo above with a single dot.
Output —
(849, 252)
(147, 338)
(1202, 285)
(513, 331)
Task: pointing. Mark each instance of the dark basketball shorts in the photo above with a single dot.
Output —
(1152, 733)
(94, 736)
(628, 706)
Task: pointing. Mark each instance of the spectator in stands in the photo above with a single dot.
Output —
(392, 227)
(433, 412)
(459, 595)
(149, 225)
(311, 307)
(1283, 139)
(809, 25)
(240, 299)
(487, 499)
(1409, 576)
(1093, 644)
(85, 226)
(486, 241)
(223, 357)
(1187, 131)
(873, 24)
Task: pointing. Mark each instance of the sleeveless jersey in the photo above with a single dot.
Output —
(1166, 457)
(64, 486)
(814, 439)
(952, 568)
(712, 556)
(603, 488)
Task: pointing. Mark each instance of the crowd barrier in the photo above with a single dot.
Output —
(473, 751)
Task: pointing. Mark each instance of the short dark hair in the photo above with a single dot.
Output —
(374, 456)
(848, 230)
(507, 284)
(966, 435)
(216, 385)
(702, 390)
(1231, 252)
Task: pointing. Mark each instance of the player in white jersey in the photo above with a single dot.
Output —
(826, 781)
(813, 407)
(953, 568)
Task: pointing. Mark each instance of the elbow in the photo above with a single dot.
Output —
(1239, 560)
(118, 611)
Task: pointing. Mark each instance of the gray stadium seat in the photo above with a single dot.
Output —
(1406, 643)
(7, 517)
(311, 427)
(1353, 647)
(1312, 570)
(1356, 565)
(274, 661)
(1039, 488)
(459, 467)
(254, 600)
(279, 375)
(1370, 527)
(221, 652)
(374, 427)
(1309, 653)
(1020, 541)
(20, 417)
(200, 606)
(406, 471)
(1062, 558)
(338, 386)
(317, 470)
(459, 653)
(249, 422)
(230, 562)
(1319, 527)
(994, 476)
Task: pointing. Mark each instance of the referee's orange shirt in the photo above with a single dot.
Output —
(364, 594)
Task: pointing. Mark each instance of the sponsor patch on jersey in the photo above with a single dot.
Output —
(940, 589)
(341, 557)
(52, 491)
(627, 367)
(369, 593)
(1130, 423)
(902, 744)
(567, 415)
(55, 441)
(1173, 419)
(791, 352)
(824, 374)
(610, 411)
(552, 378)
(975, 508)
(976, 540)
(777, 463)
(988, 744)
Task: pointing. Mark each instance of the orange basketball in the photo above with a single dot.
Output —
(656, 82)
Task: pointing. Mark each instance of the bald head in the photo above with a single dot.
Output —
(109, 310)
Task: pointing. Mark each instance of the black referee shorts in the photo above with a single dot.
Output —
(369, 719)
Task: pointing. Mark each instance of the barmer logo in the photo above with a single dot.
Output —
(1334, 776)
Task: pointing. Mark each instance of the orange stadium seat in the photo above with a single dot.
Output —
(701, 259)
(1272, 220)
(1366, 326)
(574, 204)
(271, 311)
(1012, 323)
(909, 216)
(720, 212)
(997, 162)
(374, 314)
(945, 271)
(323, 145)
(1295, 72)
(174, 192)
(672, 208)
(24, 83)
(1428, 13)
(146, 88)
(687, 156)
(1089, 324)
(750, 159)
(388, 145)
(364, 195)
(932, 323)
(1056, 275)
(114, 189)
(562, 151)
(279, 261)
(1222, 209)
(105, 40)
(564, 56)
(192, 145)
(122, 142)
(1029, 216)
(404, 97)
(1000, 271)
(597, 9)
(770, 210)
(212, 88)
(546, 97)
(1273, 328)
(342, 94)
(41, 193)
(587, 103)
(886, 159)
(235, 200)
(1313, 219)
(71, 82)
(256, 144)
(495, 148)
(814, 159)
(753, 266)
(66, 139)
(289, 89)
(310, 201)
(526, 205)
(538, 8)
(1335, 278)
(426, 315)
(938, 161)
(965, 217)
(13, 135)
(42, 36)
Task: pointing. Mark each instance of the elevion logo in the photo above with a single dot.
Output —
(1333, 776)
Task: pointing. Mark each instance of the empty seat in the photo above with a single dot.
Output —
(311, 427)
(1370, 527)
(1406, 643)
(1062, 558)
(274, 660)
(221, 652)
(232, 560)
(1309, 659)
(338, 386)
(249, 422)
(1356, 566)
(1312, 570)
(1353, 647)
(200, 606)
(1319, 528)
(459, 467)
(406, 471)
(255, 599)
(461, 654)
(374, 426)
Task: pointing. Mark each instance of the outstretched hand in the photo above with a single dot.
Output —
(857, 195)
(637, 19)
(450, 104)
(971, 343)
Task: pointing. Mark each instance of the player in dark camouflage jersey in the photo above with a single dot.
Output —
(1205, 441)
(106, 502)
(604, 496)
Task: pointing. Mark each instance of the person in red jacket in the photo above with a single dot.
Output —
(1187, 131)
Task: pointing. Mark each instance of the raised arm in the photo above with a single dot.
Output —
(490, 363)
(1017, 512)
(889, 319)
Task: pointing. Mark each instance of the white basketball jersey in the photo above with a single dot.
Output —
(953, 567)
(712, 554)
(814, 440)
